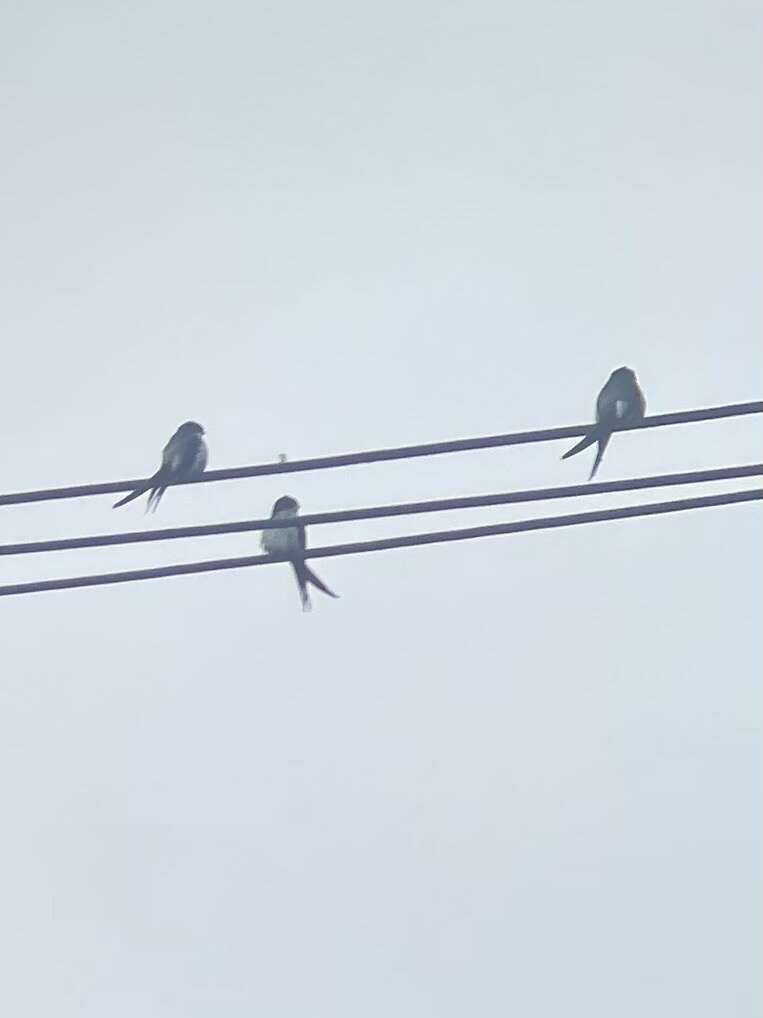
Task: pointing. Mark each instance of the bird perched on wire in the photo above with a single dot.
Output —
(184, 457)
(290, 542)
(620, 402)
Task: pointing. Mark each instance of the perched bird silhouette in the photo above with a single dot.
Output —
(184, 456)
(620, 402)
(290, 541)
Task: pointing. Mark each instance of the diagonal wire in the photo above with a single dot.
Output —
(381, 455)
(378, 512)
(387, 544)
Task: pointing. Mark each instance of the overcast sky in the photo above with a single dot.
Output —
(510, 776)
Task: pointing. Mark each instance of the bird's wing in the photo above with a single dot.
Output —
(640, 402)
(201, 458)
(169, 453)
(183, 457)
(606, 404)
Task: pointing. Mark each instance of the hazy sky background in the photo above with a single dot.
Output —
(510, 776)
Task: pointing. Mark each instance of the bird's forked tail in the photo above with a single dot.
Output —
(305, 575)
(153, 483)
(603, 441)
(584, 442)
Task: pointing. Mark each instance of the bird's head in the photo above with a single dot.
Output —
(190, 428)
(285, 504)
(624, 374)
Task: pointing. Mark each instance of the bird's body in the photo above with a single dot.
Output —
(290, 542)
(282, 541)
(620, 403)
(184, 456)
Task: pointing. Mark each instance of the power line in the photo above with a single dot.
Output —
(387, 544)
(381, 455)
(377, 512)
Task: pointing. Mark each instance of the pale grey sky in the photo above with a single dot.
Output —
(514, 776)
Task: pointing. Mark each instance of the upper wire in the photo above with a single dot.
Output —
(381, 455)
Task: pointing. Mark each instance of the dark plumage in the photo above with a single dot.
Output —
(620, 402)
(290, 542)
(184, 456)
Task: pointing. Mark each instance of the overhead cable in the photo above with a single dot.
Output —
(381, 511)
(381, 455)
(388, 544)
